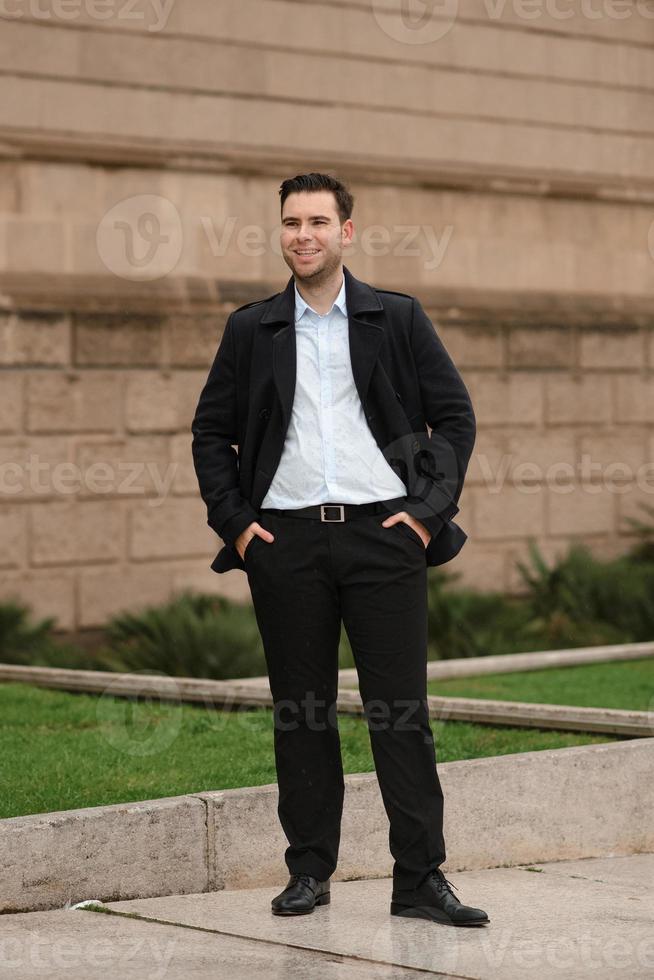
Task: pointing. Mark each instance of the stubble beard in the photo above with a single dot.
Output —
(321, 275)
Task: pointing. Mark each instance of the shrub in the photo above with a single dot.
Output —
(466, 623)
(193, 635)
(29, 643)
(581, 601)
(21, 641)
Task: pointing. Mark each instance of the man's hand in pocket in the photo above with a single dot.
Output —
(242, 542)
(417, 525)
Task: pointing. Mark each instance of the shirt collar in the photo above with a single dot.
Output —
(301, 306)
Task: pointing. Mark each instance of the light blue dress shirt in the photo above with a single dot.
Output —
(329, 455)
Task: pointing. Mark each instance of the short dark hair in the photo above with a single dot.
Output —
(320, 182)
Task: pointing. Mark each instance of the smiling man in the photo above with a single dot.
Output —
(335, 505)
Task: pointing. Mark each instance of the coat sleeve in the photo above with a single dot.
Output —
(215, 434)
(448, 411)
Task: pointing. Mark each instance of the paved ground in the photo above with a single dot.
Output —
(569, 919)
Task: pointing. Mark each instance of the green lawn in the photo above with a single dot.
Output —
(625, 684)
(61, 751)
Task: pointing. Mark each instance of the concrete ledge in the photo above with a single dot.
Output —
(255, 691)
(154, 847)
(198, 689)
(537, 660)
(528, 714)
(553, 805)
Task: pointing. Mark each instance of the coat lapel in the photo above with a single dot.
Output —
(365, 339)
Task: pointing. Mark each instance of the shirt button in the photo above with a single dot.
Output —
(264, 413)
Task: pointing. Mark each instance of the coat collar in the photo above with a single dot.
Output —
(365, 339)
(359, 298)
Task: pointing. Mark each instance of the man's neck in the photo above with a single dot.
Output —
(321, 297)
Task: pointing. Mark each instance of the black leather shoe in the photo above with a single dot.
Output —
(302, 893)
(434, 899)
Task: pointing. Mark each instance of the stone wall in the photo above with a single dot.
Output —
(502, 171)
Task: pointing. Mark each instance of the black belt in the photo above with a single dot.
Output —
(337, 513)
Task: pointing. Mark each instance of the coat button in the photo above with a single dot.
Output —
(398, 396)
(264, 413)
(370, 417)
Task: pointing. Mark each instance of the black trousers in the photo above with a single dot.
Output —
(373, 578)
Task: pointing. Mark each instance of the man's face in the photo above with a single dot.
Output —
(312, 237)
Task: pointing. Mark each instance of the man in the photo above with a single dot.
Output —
(336, 504)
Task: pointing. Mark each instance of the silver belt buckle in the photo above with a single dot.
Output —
(332, 520)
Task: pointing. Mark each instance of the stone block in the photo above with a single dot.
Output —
(184, 481)
(130, 339)
(46, 594)
(616, 454)
(541, 455)
(126, 850)
(193, 339)
(480, 566)
(11, 402)
(535, 347)
(489, 463)
(13, 536)
(634, 398)
(37, 467)
(567, 815)
(74, 402)
(617, 349)
(506, 400)
(76, 532)
(106, 592)
(574, 400)
(162, 401)
(34, 338)
(176, 528)
(585, 509)
(636, 504)
(472, 347)
(35, 244)
(134, 466)
(57, 187)
(512, 513)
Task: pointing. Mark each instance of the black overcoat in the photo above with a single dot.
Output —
(405, 379)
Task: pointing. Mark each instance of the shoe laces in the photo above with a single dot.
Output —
(303, 876)
(441, 881)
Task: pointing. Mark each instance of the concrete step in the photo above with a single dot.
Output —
(573, 919)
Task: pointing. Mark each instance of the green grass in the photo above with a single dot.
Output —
(62, 750)
(619, 684)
